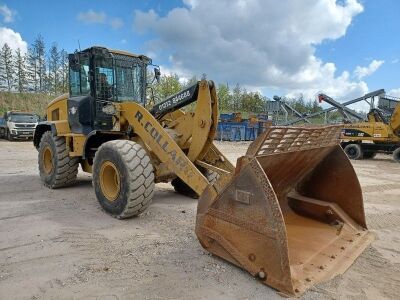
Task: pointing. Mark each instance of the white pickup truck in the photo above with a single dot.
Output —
(20, 125)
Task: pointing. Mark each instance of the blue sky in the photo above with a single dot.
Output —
(373, 35)
(58, 22)
(344, 48)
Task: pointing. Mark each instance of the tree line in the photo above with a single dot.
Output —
(37, 71)
(233, 99)
(236, 99)
(45, 71)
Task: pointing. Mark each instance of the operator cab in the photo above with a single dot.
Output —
(378, 115)
(98, 77)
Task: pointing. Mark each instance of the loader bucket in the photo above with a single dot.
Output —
(292, 215)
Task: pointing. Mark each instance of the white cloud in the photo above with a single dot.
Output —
(116, 23)
(395, 61)
(145, 21)
(361, 72)
(92, 17)
(394, 92)
(258, 43)
(191, 3)
(7, 13)
(13, 39)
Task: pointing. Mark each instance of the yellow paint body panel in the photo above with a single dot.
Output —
(164, 147)
(376, 131)
(395, 119)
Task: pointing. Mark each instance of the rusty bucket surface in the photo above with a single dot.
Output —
(293, 213)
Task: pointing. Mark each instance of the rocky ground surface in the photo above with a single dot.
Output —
(59, 244)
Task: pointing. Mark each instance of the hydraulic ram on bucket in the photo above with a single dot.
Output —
(292, 215)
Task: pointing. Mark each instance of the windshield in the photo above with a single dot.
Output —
(21, 118)
(129, 80)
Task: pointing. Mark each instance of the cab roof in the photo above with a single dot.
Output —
(120, 52)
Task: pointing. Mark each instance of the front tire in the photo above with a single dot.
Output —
(57, 169)
(396, 155)
(9, 137)
(353, 151)
(123, 178)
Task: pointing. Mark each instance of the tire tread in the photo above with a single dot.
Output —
(66, 168)
(140, 176)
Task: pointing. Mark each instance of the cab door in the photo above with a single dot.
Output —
(80, 102)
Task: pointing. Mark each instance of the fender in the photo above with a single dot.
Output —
(41, 128)
(97, 137)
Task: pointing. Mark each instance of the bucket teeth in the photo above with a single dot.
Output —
(287, 216)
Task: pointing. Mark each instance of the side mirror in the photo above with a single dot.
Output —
(157, 74)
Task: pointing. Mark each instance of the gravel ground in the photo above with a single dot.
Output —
(58, 244)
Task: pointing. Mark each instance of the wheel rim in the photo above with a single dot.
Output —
(110, 183)
(47, 160)
(351, 152)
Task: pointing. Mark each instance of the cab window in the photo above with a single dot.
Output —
(79, 75)
(104, 78)
(129, 81)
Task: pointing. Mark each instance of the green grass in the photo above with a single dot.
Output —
(29, 102)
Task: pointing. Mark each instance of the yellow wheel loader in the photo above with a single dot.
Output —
(290, 213)
(380, 133)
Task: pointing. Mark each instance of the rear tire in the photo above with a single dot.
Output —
(57, 169)
(353, 151)
(182, 188)
(396, 155)
(123, 178)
